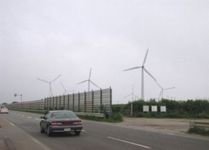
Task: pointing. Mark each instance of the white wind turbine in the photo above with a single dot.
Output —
(50, 82)
(162, 89)
(133, 97)
(142, 78)
(89, 81)
(65, 91)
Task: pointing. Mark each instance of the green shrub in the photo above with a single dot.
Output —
(198, 130)
(117, 117)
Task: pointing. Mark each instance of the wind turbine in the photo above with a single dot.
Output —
(162, 89)
(65, 91)
(89, 81)
(50, 82)
(142, 78)
(132, 94)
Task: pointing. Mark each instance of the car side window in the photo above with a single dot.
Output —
(47, 116)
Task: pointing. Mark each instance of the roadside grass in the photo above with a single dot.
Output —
(198, 130)
(115, 118)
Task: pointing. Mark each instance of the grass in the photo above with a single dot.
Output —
(200, 131)
(113, 119)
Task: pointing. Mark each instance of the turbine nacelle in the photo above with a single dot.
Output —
(142, 78)
(49, 82)
(89, 81)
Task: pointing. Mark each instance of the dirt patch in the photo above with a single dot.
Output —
(172, 125)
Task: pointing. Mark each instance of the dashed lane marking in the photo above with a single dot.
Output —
(37, 119)
(124, 141)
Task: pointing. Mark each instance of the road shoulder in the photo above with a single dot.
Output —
(14, 138)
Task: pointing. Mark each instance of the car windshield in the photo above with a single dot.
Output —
(59, 115)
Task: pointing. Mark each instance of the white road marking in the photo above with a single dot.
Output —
(37, 119)
(23, 115)
(7, 121)
(29, 117)
(83, 130)
(40, 143)
(120, 140)
(12, 124)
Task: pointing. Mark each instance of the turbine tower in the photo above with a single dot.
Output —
(162, 90)
(89, 81)
(50, 82)
(142, 78)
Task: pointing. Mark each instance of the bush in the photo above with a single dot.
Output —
(200, 131)
(117, 117)
(175, 109)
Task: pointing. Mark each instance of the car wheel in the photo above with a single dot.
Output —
(48, 132)
(77, 133)
(42, 129)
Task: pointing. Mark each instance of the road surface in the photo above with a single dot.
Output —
(21, 131)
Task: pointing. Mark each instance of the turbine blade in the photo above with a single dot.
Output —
(158, 84)
(63, 86)
(42, 80)
(90, 74)
(149, 74)
(169, 88)
(56, 78)
(145, 57)
(133, 68)
(94, 84)
(82, 82)
(127, 95)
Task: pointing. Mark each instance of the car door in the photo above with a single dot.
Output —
(45, 120)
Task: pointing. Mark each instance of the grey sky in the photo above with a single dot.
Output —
(42, 39)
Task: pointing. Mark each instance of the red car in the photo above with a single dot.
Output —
(3, 110)
(60, 121)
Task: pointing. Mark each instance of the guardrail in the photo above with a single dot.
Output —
(199, 124)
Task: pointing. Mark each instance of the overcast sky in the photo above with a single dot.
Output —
(46, 38)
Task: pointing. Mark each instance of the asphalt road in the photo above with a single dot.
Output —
(23, 130)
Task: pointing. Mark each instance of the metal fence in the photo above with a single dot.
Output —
(94, 102)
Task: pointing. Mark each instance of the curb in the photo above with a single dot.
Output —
(9, 144)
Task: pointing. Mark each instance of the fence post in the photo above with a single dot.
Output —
(78, 102)
(59, 102)
(53, 103)
(68, 101)
(110, 101)
(73, 101)
(49, 103)
(56, 102)
(84, 101)
(63, 101)
(92, 101)
(101, 107)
